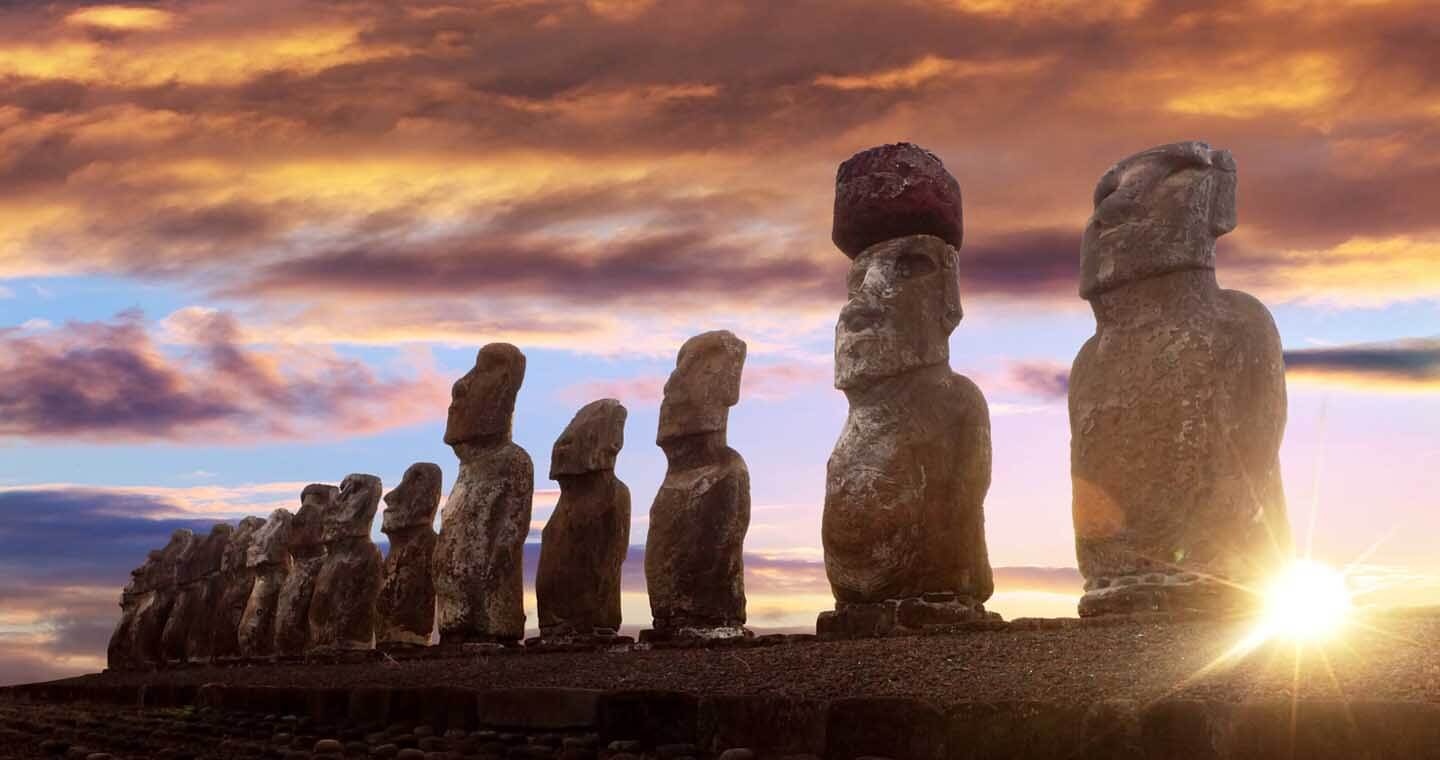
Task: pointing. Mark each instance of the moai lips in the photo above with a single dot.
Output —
(406, 607)
(306, 547)
(903, 527)
(585, 540)
(478, 570)
(342, 609)
(268, 559)
(1177, 404)
(233, 586)
(694, 569)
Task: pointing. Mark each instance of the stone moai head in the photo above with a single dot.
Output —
(353, 512)
(237, 551)
(208, 553)
(412, 504)
(897, 216)
(174, 556)
(703, 387)
(592, 440)
(1156, 212)
(307, 529)
(141, 578)
(269, 546)
(482, 403)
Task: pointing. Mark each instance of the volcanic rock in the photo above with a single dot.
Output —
(187, 632)
(893, 191)
(406, 607)
(232, 588)
(342, 610)
(305, 544)
(154, 607)
(268, 559)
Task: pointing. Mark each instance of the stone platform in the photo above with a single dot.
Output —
(1138, 687)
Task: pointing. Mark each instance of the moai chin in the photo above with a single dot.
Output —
(305, 544)
(479, 581)
(1177, 403)
(583, 546)
(153, 610)
(268, 560)
(406, 607)
(187, 632)
(232, 589)
(342, 610)
(694, 569)
(904, 523)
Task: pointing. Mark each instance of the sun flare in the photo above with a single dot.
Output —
(1308, 601)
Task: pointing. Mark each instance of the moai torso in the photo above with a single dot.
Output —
(904, 522)
(342, 609)
(305, 544)
(187, 632)
(694, 551)
(406, 607)
(268, 560)
(234, 584)
(583, 545)
(1177, 404)
(478, 567)
(154, 608)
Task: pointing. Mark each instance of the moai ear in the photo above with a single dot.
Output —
(1223, 211)
(950, 270)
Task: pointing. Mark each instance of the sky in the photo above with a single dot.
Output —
(249, 246)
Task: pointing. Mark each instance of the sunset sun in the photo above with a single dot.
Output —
(1307, 601)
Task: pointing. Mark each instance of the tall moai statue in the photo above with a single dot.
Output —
(120, 653)
(694, 568)
(904, 521)
(153, 611)
(187, 632)
(1177, 404)
(406, 607)
(342, 610)
(268, 561)
(583, 546)
(232, 588)
(306, 546)
(479, 580)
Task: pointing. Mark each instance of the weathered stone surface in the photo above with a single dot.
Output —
(154, 607)
(906, 483)
(694, 570)
(584, 543)
(187, 632)
(1177, 404)
(232, 588)
(893, 191)
(120, 652)
(268, 558)
(406, 607)
(306, 547)
(479, 583)
(342, 610)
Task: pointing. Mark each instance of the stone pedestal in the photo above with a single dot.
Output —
(900, 617)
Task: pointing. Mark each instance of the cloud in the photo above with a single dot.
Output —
(763, 382)
(1042, 379)
(114, 381)
(1412, 364)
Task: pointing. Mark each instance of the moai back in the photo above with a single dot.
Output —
(1177, 404)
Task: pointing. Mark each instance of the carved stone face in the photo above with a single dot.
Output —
(413, 503)
(237, 551)
(1157, 212)
(592, 441)
(482, 402)
(904, 303)
(703, 387)
(353, 512)
(269, 546)
(308, 527)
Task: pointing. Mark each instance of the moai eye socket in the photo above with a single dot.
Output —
(913, 265)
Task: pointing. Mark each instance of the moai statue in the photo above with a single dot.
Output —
(187, 632)
(904, 522)
(120, 653)
(232, 589)
(158, 602)
(577, 586)
(1177, 404)
(305, 544)
(342, 611)
(694, 569)
(406, 608)
(268, 561)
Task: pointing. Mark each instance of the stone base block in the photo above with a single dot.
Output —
(699, 634)
(931, 613)
(1159, 592)
(601, 638)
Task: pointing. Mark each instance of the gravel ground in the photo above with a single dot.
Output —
(1390, 657)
